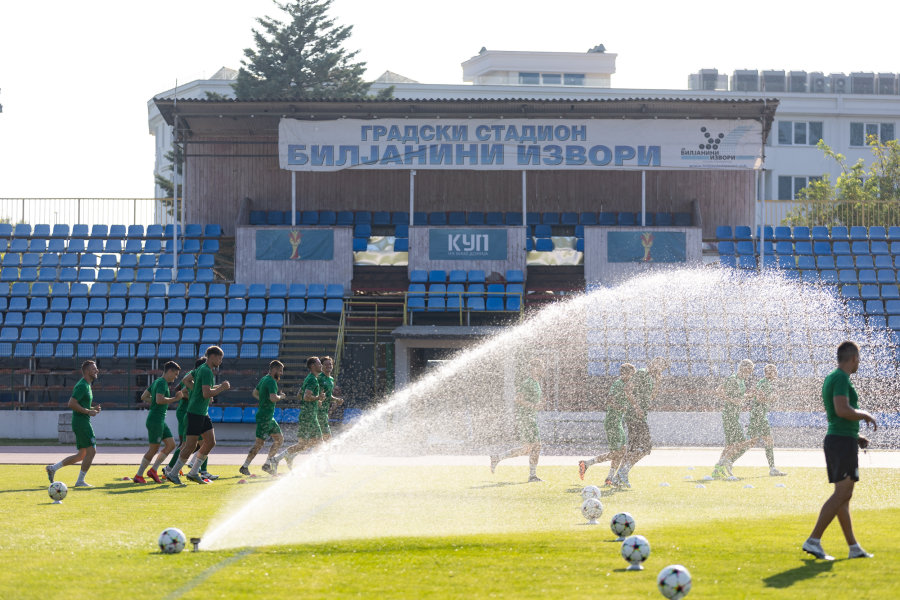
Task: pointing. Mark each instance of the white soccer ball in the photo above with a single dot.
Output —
(622, 524)
(592, 509)
(591, 491)
(171, 541)
(57, 490)
(674, 582)
(635, 549)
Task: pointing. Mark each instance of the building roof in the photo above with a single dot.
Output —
(261, 117)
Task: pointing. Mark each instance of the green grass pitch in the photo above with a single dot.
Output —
(445, 532)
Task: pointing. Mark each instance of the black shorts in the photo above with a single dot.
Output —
(638, 436)
(197, 424)
(841, 457)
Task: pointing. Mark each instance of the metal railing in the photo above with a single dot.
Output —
(797, 212)
(90, 211)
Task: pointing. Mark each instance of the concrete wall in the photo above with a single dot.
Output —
(598, 270)
(248, 270)
(419, 252)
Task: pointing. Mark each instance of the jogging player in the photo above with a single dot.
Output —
(620, 395)
(266, 392)
(759, 430)
(646, 387)
(181, 412)
(841, 444)
(733, 393)
(157, 430)
(527, 403)
(82, 411)
(198, 424)
(311, 396)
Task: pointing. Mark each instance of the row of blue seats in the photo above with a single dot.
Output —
(133, 335)
(701, 368)
(119, 318)
(461, 276)
(810, 248)
(870, 291)
(90, 275)
(176, 290)
(109, 246)
(456, 302)
(817, 233)
(418, 290)
(139, 305)
(364, 230)
(107, 261)
(42, 230)
(460, 218)
(27, 350)
(830, 261)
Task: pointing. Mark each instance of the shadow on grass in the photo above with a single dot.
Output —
(809, 569)
(498, 484)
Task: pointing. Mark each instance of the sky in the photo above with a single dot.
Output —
(75, 77)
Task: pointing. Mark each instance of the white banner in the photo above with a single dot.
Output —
(519, 144)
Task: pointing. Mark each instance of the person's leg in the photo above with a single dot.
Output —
(209, 442)
(145, 462)
(534, 454)
(843, 491)
(277, 441)
(86, 462)
(843, 516)
(257, 446)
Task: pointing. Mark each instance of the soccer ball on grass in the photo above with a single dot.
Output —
(635, 549)
(674, 582)
(592, 508)
(57, 491)
(171, 541)
(622, 525)
(591, 491)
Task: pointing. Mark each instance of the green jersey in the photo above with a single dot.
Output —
(838, 384)
(199, 405)
(643, 394)
(618, 404)
(83, 395)
(530, 391)
(735, 388)
(157, 412)
(326, 382)
(185, 400)
(266, 387)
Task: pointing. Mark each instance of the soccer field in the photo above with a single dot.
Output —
(444, 532)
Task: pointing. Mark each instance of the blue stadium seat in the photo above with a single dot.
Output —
(344, 218)
(880, 247)
(475, 217)
(803, 247)
(723, 232)
(334, 305)
(858, 232)
(256, 290)
(802, 233)
(360, 244)
(825, 262)
(249, 351)
(623, 219)
(437, 218)
(821, 248)
(514, 219)
(315, 305)
(217, 414)
(587, 218)
(437, 276)
(334, 290)
(362, 216)
(401, 245)
(418, 276)
(456, 218)
(820, 233)
(399, 218)
(745, 247)
(401, 231)
(542, 231)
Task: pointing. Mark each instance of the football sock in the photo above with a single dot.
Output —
(856, 547)
(205, 464)
(144, 464)
(813, 540)
(612, 473)
(81, 475)
(57, 466)
(590, 462)
(176, 468)
(159, 460)
(195, 470)
(247, 463)
(770, 456)
(532, 470)
(175, 456)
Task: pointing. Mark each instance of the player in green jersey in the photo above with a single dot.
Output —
(620, 396)
(759, 430)
(198, 424)
(326, 381)
(82, 411)
(527, 402)
(187, 383)
(842, 443)
(645, 388)
(266, 392)
(311, 395)
(734, 393)
(157, 430)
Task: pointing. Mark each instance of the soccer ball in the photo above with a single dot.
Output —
(171, 541)
(57, 490)
(674, 582)
(635, 549)
(591, 491)
(592, 508)
(622, 525)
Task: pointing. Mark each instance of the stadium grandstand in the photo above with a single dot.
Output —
(308, 230)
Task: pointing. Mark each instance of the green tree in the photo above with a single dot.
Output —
(859, 196)
(175, 159)
(301, 57)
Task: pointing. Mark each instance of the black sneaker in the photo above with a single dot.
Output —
(246, 471)
(196, 479)
(51, 473)
(270, 469)
(208, 476)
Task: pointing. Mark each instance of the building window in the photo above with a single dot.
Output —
(860, 132)
(789, 186)
(573, 79)
(799, 133)
(529, 78)
(551, 78)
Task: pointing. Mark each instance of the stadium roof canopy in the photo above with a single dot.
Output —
(260, 117)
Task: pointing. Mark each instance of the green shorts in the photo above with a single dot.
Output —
(759, 426)
(266, 428)
(84, 435)
(734, 433)
(157, 432)
(182, 423)
(615, 436)
(527, 430)
(323, 422)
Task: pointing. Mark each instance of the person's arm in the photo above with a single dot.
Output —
(161, 398)
(145, 397)
(255, 394)
(308, 396)
(843, 409)
(211, 391)
(91, 412)
(188, 382)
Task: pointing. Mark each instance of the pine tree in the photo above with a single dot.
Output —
(301, 57)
